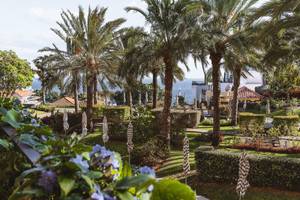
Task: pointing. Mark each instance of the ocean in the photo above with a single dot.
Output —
(183, 88)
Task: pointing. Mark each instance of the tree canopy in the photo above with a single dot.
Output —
(15, 73)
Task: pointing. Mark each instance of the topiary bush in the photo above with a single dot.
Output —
(286, 124)
(271, 171)
(248, 121)
(117, 113)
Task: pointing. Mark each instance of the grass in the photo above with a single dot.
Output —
(222, 128)
(37, 112)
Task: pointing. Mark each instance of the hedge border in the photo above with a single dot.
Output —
(267, 171)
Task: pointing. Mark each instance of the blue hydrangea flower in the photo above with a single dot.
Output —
(97, 196)
(34, 123)
(83, 164)
(147, 170)
(47, 181)
(102, 151)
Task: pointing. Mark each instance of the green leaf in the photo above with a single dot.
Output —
(28, 192)
(94, 174)
(12, 117)
(126, 170)
(125, 196)
(5, 144)
(90, 182)
(169, 189)
(66, 184)
(134, 181)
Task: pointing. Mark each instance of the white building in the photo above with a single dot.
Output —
(202, 89)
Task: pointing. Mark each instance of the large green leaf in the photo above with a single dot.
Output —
(12, 117)
(169, 189)
(125, 196)
(5, 144)
(66, 184)
(126, 170)
(134, 181)
(89, 181)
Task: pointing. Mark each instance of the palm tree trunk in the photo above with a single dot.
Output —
(154, 85)
(215, 59)
(95, 89)
(236, 85)
(90, 92)
(76, 92)
(44, 94)
(166, 114)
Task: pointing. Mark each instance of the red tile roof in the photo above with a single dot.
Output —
(245, 93)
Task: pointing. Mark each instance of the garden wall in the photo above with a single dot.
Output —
(270, 171)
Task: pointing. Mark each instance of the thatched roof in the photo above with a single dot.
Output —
(64, 102)
(245, 94)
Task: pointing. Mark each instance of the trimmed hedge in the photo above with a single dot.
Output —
(286, 124)
(117, 114)
(268, 171)
(249, 120)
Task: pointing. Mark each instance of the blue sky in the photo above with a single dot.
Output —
(25, 24)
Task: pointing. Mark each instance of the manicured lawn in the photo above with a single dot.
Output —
(215, 191)
(222, 128)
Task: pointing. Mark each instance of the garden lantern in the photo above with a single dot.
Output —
(129, 139)
(186, 157)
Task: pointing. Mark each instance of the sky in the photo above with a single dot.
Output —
(25, 24)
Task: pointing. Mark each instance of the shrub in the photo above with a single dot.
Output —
(248, 121)
(56, 121)
(209, 122)
(116, 114)
(45, 108)
(286, 124)
(97, 110)
(271, 171)
(150, 153)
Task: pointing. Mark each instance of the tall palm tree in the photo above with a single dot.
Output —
(172, 24)
(218, 21)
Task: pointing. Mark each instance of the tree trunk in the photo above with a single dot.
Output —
(90, 92)
(129, 101)
(215, 59)
(236, 85)
(44, 94)
(166, 114)
(76, 92)
(95, 89)
(154, 85)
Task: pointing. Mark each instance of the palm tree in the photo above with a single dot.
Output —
(172, 24)
(219, 20)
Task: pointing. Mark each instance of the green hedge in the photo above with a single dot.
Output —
(268, 171)
(286, 124)
(249, 120)
(117, 114)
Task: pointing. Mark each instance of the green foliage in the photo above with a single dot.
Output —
(284, 78)
(117, 114)
(287, 125)
(45, 108)
(169, 189)
(15, 73)
(209, 122)
(249, 122)
(272, 171)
